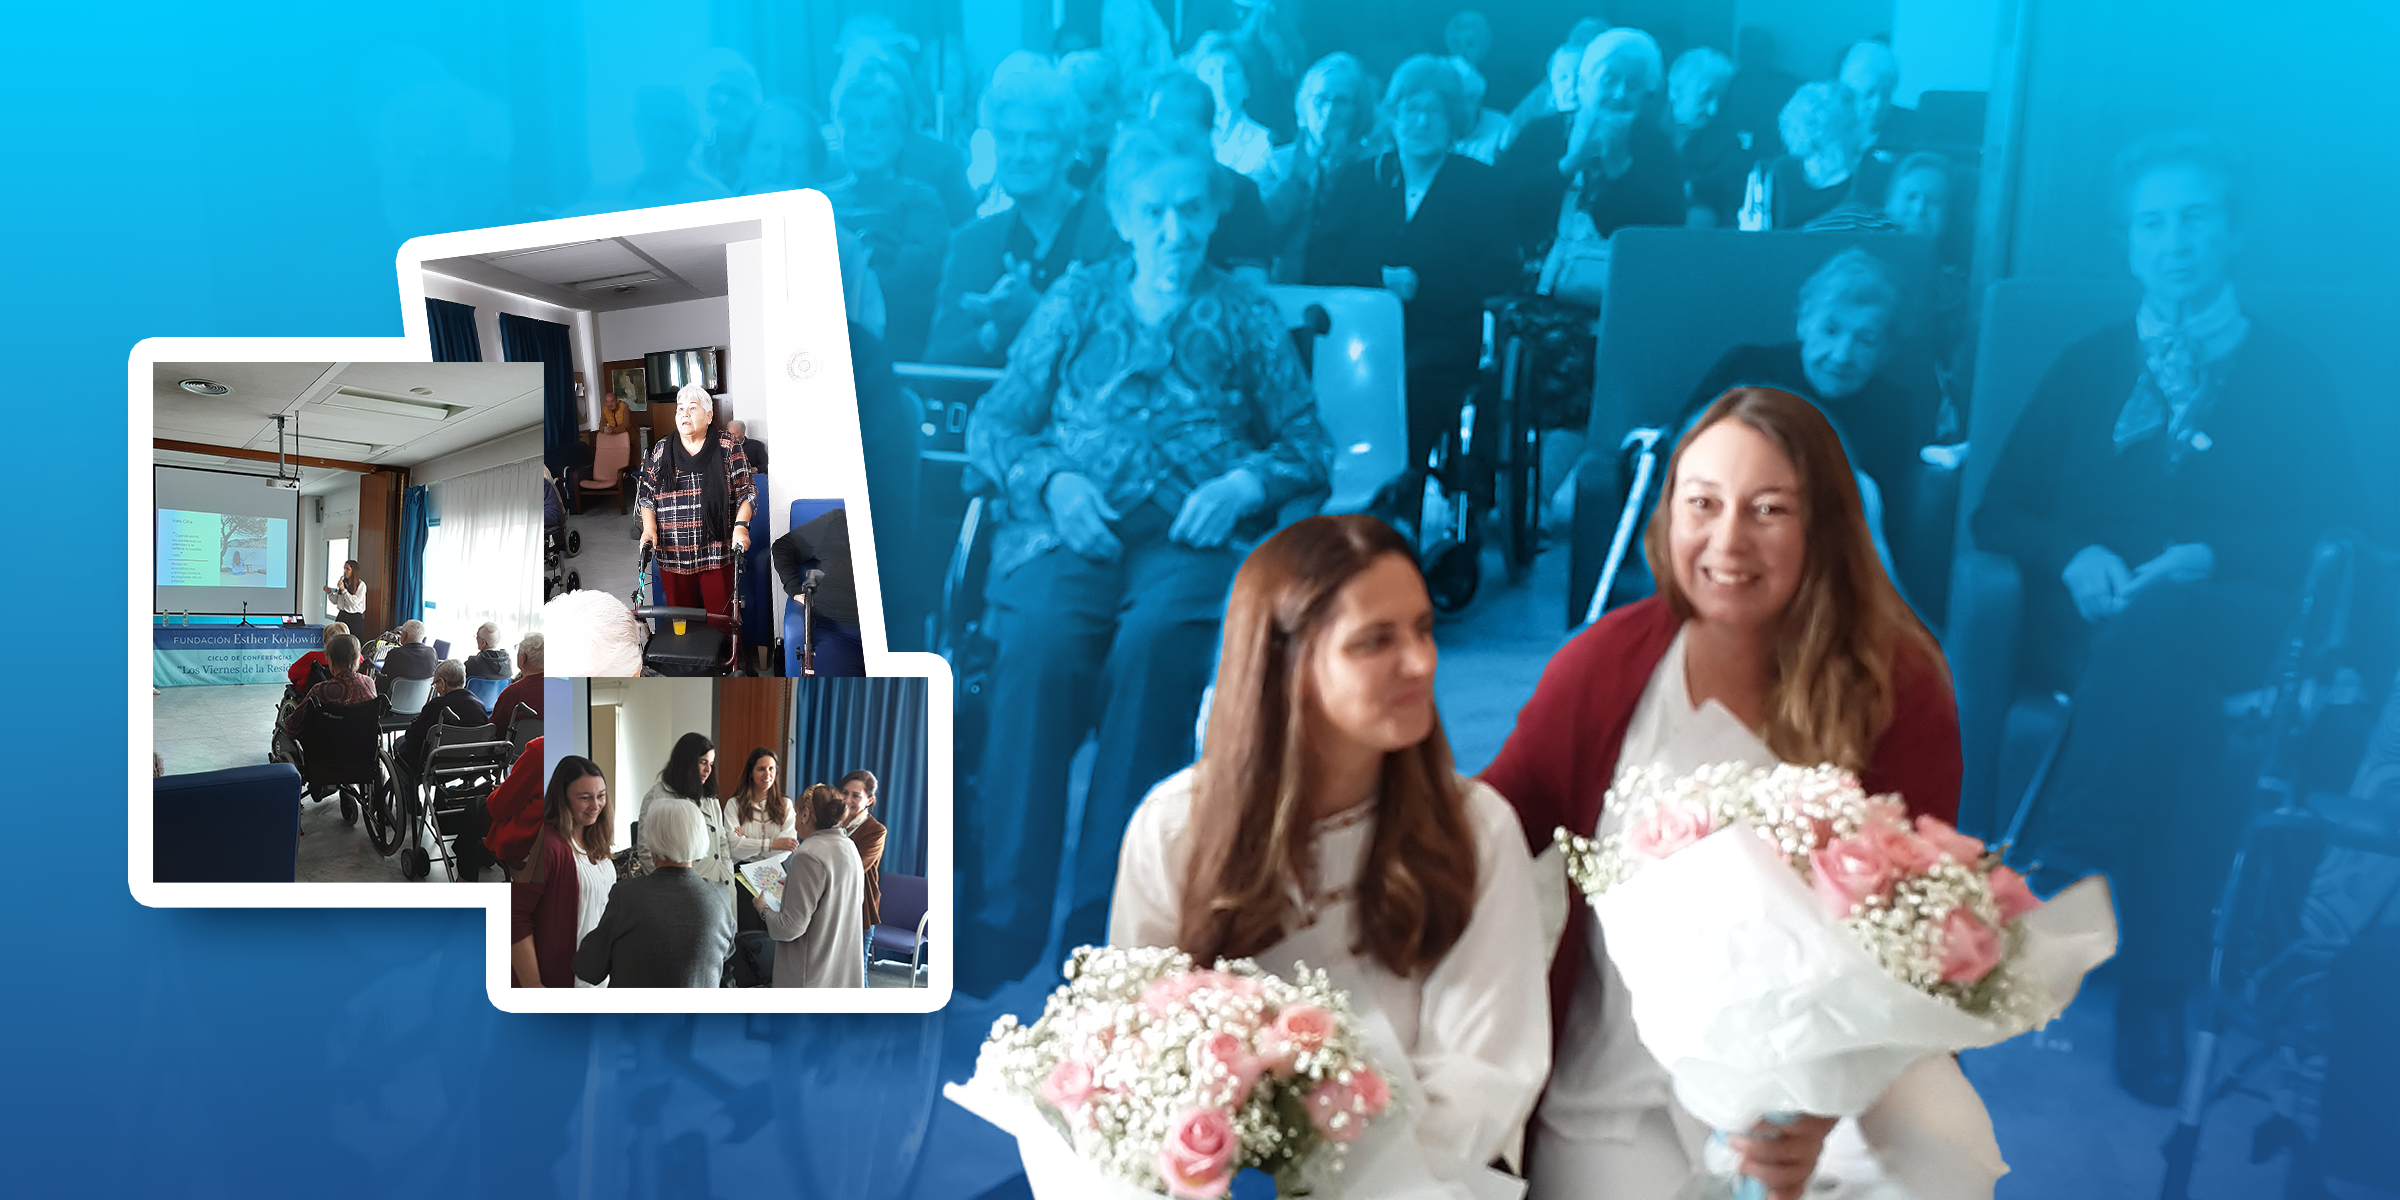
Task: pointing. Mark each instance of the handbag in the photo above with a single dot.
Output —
(1576, 270)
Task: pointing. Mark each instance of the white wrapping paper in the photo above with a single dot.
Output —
(1758, 1002)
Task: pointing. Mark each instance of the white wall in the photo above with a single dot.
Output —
(341, 520)
(490, 302)
(652, 714)
(634, 332)
(1944, 45)
(500, 451)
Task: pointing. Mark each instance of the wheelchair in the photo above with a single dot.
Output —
(2315, 874)
(682, 641)
(1489, 468)
(558, 543)
(462, 766)
(340, 753)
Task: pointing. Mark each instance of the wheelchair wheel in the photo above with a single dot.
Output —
(1451, 574)
(415, 864)
(574, 581)
(574, 542)
(384, 812)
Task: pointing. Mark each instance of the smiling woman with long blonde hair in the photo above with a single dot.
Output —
(1325, 824)
(1775, 636)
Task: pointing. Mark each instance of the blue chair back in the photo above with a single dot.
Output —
(240, 825)
(486, 690)
(1359, 372)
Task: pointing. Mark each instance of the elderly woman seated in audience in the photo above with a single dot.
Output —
(900, 219)
(1871, 73)
(1824, 167)
(1237, 141)
(2160, 494)
(1336, 107)
(1610, 159)
(1419, 221)
(666, 929)
(1918, 203)
(1556, 92)
(1488, 131)
(819, 941)
(1000, 265)
(347, 684)
(1715, 159)
(1154, 415)
(306, 664)
(1852, 314)
(1181, 110)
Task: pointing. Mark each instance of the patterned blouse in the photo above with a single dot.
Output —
(682, 548)
(1148, 413)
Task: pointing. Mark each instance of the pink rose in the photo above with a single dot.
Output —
(1963, 850)
(1197, 1159)
(1374, 1095)
(1334, 1108)
(1300, 1029)
(1166, 995)
(2011, 894)
(1970, 948)
(1846, 871)
(1907, 853)
(1069, 1086)
(1225, 1055)
(1667, 829)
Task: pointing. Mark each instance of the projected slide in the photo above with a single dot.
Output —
(206, 549)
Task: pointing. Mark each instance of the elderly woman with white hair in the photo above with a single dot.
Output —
(1000, 265)
(1609, 160)
(1336, 107)
(1154, 414)
(819, 940)
(695, 496)
(1825, 166)
(670, 927)
(1714, 155)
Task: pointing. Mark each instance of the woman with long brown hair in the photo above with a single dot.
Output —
(559, 896)
(759, 820)
(1325, 824)
(1775, 636)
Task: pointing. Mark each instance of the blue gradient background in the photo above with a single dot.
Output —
(189, 170)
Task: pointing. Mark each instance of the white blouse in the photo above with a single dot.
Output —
(750, 841)
(1475, 1028)
(1605, 1079)
(593, 882)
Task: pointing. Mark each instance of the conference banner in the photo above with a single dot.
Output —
(210, 655)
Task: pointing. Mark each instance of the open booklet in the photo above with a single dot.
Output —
(764, 877)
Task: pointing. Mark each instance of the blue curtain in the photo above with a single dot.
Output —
(453, 328)
(841, 725)
(408, 602)
(523, 339)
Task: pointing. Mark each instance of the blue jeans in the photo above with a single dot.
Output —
(1124, 648)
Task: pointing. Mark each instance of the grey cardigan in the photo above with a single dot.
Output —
(819, 940)
(669, 928)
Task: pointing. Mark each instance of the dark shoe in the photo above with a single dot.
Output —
(2150, 1062)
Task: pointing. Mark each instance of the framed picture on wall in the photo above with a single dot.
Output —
(628, 384)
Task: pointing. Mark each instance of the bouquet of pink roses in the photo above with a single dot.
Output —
(1146, 1076)
(1793, 944)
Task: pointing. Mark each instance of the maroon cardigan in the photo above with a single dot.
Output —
(546, 912)
(1561, 757)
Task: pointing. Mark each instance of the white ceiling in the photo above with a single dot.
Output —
(490, 401)
(689, 264)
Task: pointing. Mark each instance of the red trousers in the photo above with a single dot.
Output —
(710, 589)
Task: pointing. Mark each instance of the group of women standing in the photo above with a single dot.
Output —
(673, 922)
(1325, 821)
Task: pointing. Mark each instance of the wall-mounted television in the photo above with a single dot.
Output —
(668, 371)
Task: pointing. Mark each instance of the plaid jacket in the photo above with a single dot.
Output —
(681, 545)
